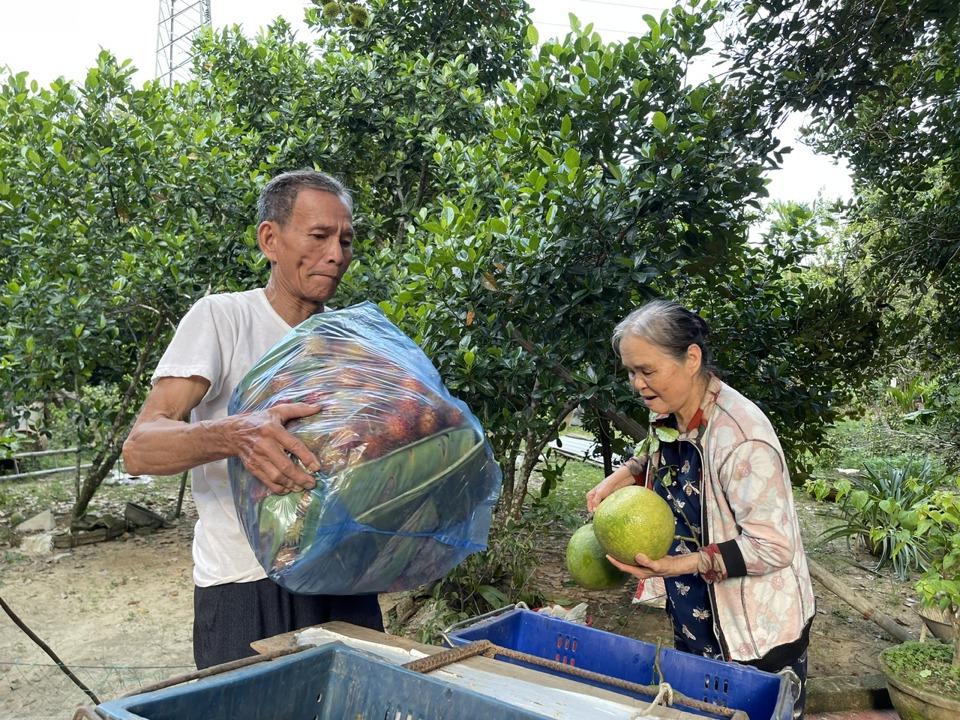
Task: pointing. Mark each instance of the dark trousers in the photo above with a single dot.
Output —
(227, 618)
(799, 668)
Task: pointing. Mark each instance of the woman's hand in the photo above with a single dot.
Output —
(619, 478)
(667, 566)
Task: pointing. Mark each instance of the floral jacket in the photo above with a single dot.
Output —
(763, 598)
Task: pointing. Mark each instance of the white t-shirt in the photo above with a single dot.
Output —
(220, 339)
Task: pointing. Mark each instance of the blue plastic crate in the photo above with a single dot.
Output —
(330, 682)
(762, 695)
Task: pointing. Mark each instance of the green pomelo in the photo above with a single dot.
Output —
(634, 520)
(588, 564)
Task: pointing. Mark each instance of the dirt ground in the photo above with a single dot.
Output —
(119, 613)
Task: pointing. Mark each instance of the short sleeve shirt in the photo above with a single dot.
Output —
(220, 339)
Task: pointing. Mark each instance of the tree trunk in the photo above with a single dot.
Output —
(183, 487)
(508, 466)
(91, 483)
(533, 447)
(531, 456)
(858, 602)
(605, 449)
(107, 457)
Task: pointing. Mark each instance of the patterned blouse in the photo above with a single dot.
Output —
(678, 480)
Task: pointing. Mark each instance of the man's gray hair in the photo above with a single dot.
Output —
(669, 326)
(278, 196)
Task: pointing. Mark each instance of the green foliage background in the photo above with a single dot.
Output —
(515, 200)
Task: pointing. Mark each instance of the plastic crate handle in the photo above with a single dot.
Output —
(477, 618)
(662, 693)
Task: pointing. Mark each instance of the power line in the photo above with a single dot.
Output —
(600, 29)
(623, 4)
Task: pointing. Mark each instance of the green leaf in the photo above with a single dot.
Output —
(533, 37)
(592, 68)
(571, 158)
(495, 598)
(447, 216)
(565, 126)
(640, 87)
(666, 434)
(659, 121)
(654, 27)
(551, 214)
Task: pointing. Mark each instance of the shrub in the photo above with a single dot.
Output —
(499, 576)
(881, 510)
(939, 525)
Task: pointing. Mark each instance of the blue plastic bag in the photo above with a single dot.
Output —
(407, 482)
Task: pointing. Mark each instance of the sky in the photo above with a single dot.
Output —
(49, 38)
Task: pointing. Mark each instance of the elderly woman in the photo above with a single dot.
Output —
(736, 576)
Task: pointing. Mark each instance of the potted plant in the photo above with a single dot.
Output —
(924, 678)
(879, 509)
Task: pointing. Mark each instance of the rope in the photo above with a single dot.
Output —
(664, 697)
(657, 673)
(86, 713)
(488, 649)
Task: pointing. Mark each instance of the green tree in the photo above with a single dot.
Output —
(791, 330)
(488, 35)
(604, 179)
(118, 207)
(163, 185)
(363, 98)
(881, 82)
(510, 214)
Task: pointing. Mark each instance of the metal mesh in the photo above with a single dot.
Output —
(36, 691)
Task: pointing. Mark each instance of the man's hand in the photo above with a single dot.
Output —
(667, 566)
(265, 447)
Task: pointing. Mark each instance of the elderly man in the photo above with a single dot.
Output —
(306, 232)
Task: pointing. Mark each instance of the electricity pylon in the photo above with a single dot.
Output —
(176, 29)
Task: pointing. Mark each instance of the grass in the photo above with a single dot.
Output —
(579, 432)
(868, 441)
(926, 665)
(566, 504)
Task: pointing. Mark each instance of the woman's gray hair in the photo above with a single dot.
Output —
(278, 196)
(669, 326)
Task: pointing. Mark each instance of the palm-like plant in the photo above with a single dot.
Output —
(881, 509)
